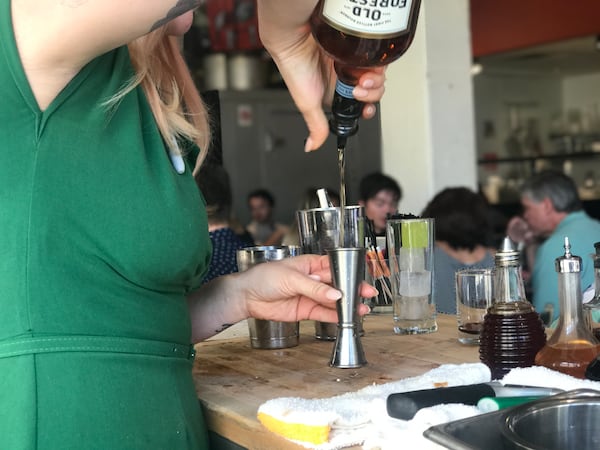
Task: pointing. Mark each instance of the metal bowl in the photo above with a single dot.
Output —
(565, 421)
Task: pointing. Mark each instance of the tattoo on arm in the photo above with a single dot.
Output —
(223, 327)
(181, 7)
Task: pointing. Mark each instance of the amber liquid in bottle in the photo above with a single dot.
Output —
(512, 335)
(362, 50)
(470, 328)
(356, 49)
(513, 331)
(571, 358)
(572, 346)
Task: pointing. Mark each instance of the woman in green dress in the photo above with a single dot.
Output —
(104, 238)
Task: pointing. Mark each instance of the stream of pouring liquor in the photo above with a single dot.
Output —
(342, 168)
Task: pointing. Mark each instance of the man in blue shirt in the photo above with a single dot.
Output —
(553, 210)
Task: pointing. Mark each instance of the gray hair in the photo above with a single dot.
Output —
(555, 185)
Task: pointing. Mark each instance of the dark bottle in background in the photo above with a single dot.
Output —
(512, 331)
(360, 35)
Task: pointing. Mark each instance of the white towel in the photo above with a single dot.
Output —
(544, 377)
(360, 418)
(359, 415)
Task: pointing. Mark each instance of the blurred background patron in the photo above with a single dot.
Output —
(462, 236)
(263, 228)
(553, 211)
(380, 195)
(226, 234)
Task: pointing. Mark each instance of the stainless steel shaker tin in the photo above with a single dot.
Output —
(319, 230)
(251, 256)
(269, 334)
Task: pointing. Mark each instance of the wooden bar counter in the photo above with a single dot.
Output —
(233, 380)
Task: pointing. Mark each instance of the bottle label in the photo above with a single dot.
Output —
(369, 17)
(345, 90)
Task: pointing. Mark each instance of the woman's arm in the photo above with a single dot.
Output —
(289, 290)
(56, 38)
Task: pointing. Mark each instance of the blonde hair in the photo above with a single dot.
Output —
(162, 73)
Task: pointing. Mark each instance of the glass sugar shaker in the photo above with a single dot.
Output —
(513, 331)
(572, 345)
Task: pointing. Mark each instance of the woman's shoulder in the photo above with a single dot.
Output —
(57, 39)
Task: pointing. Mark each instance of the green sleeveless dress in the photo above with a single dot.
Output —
(100, 241)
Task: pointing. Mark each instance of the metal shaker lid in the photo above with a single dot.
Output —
(507, 254)
(568, 263)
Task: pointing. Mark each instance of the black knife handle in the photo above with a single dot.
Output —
(406, 404)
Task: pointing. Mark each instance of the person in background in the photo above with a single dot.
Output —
(462, 233)
(553, 211)
(310, 200)
(263, 228)
(527, 242)
(213, 181)
(380, 195)
(99, 114)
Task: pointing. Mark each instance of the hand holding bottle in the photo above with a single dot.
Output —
(306, 69)
(360, 36)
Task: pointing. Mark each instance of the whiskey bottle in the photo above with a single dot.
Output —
(572, 345)
(358, 35)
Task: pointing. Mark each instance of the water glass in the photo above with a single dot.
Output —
(410, 253)
(474, 295)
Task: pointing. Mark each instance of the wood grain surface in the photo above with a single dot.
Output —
(233, 380)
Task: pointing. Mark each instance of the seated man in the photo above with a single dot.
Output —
(552, 209)
(379, 194)
(263, 228)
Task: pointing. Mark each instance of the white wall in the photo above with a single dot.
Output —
(427, 111)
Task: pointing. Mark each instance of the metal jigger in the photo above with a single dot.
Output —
(347, 273)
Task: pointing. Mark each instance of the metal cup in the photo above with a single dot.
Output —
(269, 334)
(319, 231)
(347, 273)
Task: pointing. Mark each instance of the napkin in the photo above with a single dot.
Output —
(544, 377)
(360, 418)
(352, 418)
